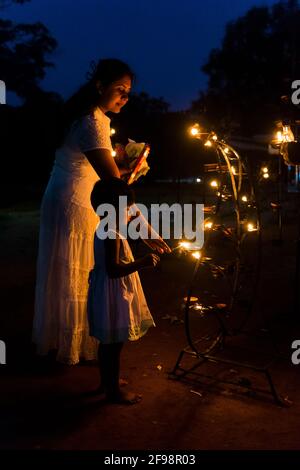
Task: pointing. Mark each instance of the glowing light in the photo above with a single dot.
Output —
(265, 170)
(266, 175)
(214, 184)
(192, 299)
(208, 225)
(251, 227)
(226, 150)
(195, 130)
(113, 153)
(233, 169)
(185, 245)
(198, 180)
(208, 143)
(244, 198)
(196, 254)
(286, 135)
(188, 246)
(112, 131)
(215, 137)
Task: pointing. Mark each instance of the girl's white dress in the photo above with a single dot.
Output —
(117, 308)
(65, 256)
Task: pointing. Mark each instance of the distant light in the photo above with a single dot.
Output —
(215, 137)
(197, 254)
(113, 153)
(265, 170)
(198, 180)
(214, 184)
(208, 143)
(266, 175)
(112, 131)
(226, 150)
(244, 198)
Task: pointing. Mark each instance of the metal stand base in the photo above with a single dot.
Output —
(179, 372)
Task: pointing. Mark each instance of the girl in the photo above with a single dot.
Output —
(68, 221)
(117, 309)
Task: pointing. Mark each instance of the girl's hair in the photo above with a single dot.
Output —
(86, 99)
(108, 192)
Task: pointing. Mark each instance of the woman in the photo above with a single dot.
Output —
(68, 221)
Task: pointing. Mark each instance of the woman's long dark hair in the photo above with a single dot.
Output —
(87, 98)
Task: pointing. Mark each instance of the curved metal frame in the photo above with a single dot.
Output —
(223, 150)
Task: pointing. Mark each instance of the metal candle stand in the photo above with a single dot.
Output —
(230, 165)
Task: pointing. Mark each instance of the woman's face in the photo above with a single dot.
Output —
(115, 96)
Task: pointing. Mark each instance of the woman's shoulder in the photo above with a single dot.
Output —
(91, 120)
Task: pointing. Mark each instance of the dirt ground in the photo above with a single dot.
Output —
(45, 405)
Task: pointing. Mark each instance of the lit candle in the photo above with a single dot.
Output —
(197, 254)
(208, 225)
(251, 227)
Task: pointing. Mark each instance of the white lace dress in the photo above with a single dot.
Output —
(65, 256)
(117, 308)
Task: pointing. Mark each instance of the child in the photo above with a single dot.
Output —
(117, 309)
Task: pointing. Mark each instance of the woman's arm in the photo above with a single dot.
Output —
(103, 163)
(117, 268)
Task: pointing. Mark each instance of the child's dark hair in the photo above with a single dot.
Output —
(108, 192)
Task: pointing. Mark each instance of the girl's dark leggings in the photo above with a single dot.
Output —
(109, 364)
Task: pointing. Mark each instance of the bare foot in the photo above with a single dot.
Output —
(124, 398)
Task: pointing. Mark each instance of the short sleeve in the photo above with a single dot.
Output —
(93, 132)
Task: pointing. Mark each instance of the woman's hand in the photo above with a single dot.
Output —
(120, 157)
(124, 173)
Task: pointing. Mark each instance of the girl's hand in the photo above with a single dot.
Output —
(158, 244)
(151, 260)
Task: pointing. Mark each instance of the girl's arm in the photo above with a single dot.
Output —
(117, 268)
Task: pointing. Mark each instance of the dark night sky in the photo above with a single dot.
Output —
(165, 41)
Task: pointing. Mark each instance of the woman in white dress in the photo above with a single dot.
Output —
(68, 221)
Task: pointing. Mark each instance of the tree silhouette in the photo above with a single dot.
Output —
(23, 52)
(253, 69)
